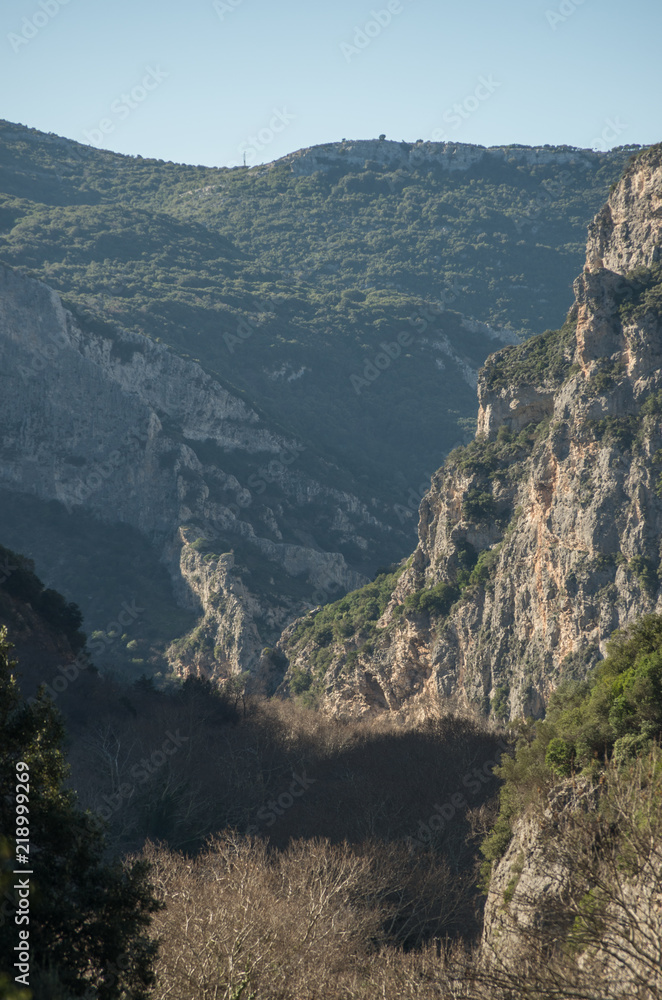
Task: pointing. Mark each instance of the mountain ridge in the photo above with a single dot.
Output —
(448, 155)
(313, 306)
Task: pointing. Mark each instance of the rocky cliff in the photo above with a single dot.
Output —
(448, 156)
(109, 423)
(581, 885)
(542, 536)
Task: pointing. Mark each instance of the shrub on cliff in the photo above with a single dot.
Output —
(615, 715)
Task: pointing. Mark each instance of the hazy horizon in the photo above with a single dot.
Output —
(224, 78)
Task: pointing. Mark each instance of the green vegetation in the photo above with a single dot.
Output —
(616, 715)
(115, 563)
(485, 567)
(88, 918)
(620, 432)
(641, 294)
(541, 361)
(500, 703)
(300, 681)
(436, 600)
(646, 574)
(284, 286)
(497, 459)
(351, 619)
(478, 504)
(19, 581)
(604, 380)
(630, 432)
(652, 405)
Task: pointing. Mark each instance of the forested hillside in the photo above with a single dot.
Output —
(219, 842)
(285, 283)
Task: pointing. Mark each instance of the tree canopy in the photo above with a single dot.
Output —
(88, 916)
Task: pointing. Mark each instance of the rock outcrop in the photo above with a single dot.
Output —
(112, 423)
(564, 889)
(450, 156)
(544, 533)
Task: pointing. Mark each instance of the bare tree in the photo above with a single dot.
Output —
(597, 933)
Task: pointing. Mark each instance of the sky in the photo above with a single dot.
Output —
(211, 81)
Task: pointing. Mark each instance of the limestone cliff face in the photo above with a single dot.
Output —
(450, 156)
(117, 425)
(546, 529)
(539, 891)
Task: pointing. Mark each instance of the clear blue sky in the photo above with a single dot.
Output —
(269, 76)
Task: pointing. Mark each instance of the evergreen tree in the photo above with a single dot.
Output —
(88, 917)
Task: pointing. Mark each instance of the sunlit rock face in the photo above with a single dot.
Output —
(549, 525)
(388, 155)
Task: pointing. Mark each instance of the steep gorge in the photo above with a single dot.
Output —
(541, 537)
(112, 425)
